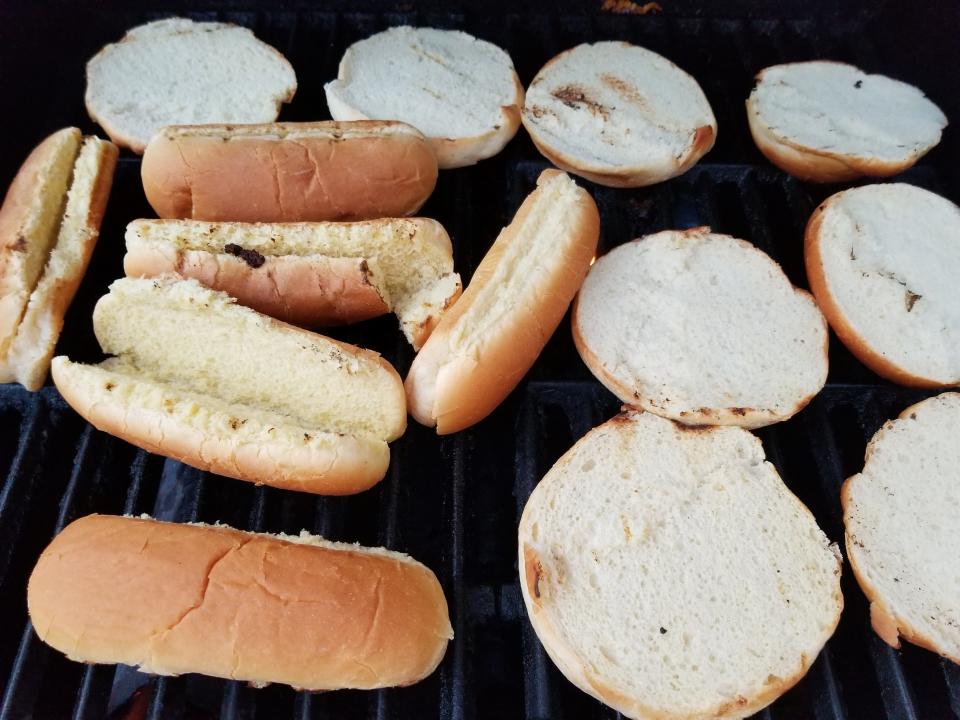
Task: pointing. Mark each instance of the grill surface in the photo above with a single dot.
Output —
(454, 502)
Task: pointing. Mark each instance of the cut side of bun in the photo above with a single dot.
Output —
(180, 72)
(882, 261)
(288, 172)
(618, 114)
(702, 328)
(223, 388)
(309, 274)
(902, 520)
(461, 92)
(298, 610)
(831, 122)
(484, 345)
(670, 573)
(49, 226)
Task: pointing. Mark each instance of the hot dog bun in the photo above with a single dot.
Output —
(223, 388)
(300, 610)
(309, 274)
(282, 172)
(485, 343)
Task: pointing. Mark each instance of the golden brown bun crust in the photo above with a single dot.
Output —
(854, 342)
(288, 171)
(455, 392)
(186, 598)
(13, 214)
(349, 466)
(884, 621)
(303, 290)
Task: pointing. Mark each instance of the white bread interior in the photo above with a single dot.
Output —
(224, 388)
(830, 122)
(177, 71)
(27, 358)
(459, 91)
(618, 114)
(176, 598)
(670, 573)
(409, 261)
(29, 223)
(485, 344)
(883, 262)
(702, 328)
(902, 521)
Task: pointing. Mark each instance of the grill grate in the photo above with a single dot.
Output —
(454, 502)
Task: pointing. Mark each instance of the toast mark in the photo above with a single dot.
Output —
(629, 7)
(574, 97)
(911, 299)
(533, 571)
(250, 257)
(624, 89)
(20, 244)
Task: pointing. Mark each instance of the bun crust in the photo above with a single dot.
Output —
(464, 371)
(174, 599)
(288, 171)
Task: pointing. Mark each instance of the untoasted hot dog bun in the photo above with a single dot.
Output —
(310, 274)
(49, 224)
(485, 343)
(220, 387)
(174, 599)
(288, 171)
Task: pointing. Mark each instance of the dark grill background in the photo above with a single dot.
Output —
(454, 502)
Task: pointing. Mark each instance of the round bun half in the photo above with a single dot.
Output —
(702, 328)
(883, 261)
(832, 122)
(462, 93)
(177, 71)
(618, 114)
(670, 573)
(902, 524)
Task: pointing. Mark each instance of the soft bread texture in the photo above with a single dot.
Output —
(223, 388)
(618, 114)
(297, 610)
(702, 328)
(831, 122)
(309, 274)
(461, 92)
(484, 345)
(49, 225)
(288, 172)
(902, 521)
(177, 71)
(883, 263)
(670, 573)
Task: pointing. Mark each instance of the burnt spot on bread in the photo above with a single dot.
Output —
(236, 423)
(533, 572)
(911, 299)
(858, 84)
(250, 257)
(307, 437)
(739, 411)
(109, 386)
(538, 111)
(20, 244)
(663, 630)
(574, 97)
(629, 7)
(624, 89)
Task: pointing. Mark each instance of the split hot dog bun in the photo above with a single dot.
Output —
(282, 172)
(310, 274)
(484, 345)
(216, 385)
(49, 224)
(298, 610)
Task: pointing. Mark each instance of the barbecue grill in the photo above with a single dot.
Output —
(454, 502)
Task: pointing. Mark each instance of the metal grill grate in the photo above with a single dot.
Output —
(454, 502)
